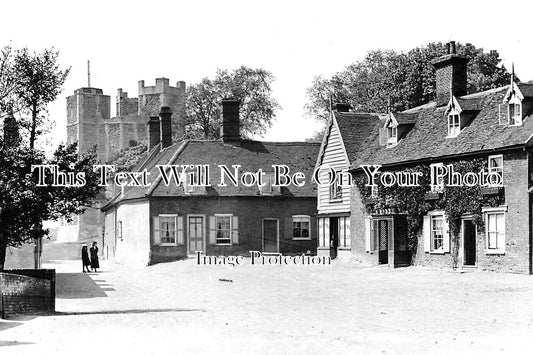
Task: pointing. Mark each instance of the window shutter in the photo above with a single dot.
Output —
(342, 234)
(503, 114)
(288, 228)
(383, 136)
(326, 232)
(347, 226)
(321, 232)
(212, 230)
(179, 232)
(426, 231)
(447, 236)
(235, 230)
(368, 234)
(157, 235)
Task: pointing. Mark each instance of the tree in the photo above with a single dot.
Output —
(404, 79)
(7, 79)
(251, 86)
(38, 80)
(127, 158)
(24, 205)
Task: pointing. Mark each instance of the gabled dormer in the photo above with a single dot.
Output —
(512, 102)
(395, 127)
(453, 112)
(391, 129)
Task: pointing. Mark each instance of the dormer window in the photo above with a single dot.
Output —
(453, 110)
(515, 112)
(392, 135)
(267, 187)
(454, 124)
(513, 99)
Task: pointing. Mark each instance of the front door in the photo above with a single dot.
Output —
(383, 232)
(333, 236)
(270, 235)
(196, 233)
(469, 240)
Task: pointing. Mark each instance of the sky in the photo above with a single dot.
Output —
(128, 41)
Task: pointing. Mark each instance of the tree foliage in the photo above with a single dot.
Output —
(251, 86)
(39, 80)
(28, 83)
(24, 205)
(406, 79)
(127, 158)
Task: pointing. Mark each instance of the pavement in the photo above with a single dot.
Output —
(182, 307)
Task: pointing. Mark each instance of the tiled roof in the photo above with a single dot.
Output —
(354, 128)
(427, 138)
(251, 155)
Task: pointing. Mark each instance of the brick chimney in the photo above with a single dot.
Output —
(230, 129)
(342, 107)
(450, 73)
(154, 132)
(165, 116)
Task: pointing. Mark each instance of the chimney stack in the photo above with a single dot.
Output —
(230, 129)
(165, 116)
(154, 132)
(342, 107)
(450, 75)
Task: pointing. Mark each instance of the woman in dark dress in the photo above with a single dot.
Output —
(94, 257)
(85, 258)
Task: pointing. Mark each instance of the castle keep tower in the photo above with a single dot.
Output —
(86, 110)
(89, 123)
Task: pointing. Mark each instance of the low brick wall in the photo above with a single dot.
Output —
(25, 292)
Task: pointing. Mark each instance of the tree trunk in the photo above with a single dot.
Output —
(33, 131)
(3, 248)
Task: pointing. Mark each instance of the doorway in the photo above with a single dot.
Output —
(196, 233)
(270, 235)
(383, 231)
(333, 236)
(469, 243)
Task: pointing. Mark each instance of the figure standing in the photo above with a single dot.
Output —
(85, 258)
(94, 257)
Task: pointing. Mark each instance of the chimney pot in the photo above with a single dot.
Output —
(165, 116)
(230, 129)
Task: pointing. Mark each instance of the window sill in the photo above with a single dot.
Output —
(495, 252)
(301, 238)
(223, 244)
(438, 252)
(336, 200)
(167, 244)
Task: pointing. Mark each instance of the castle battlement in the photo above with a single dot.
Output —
(89, 120)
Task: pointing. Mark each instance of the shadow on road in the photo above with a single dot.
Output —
(79, 285)
(12, 343)
(10, 324)
(127, 311)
